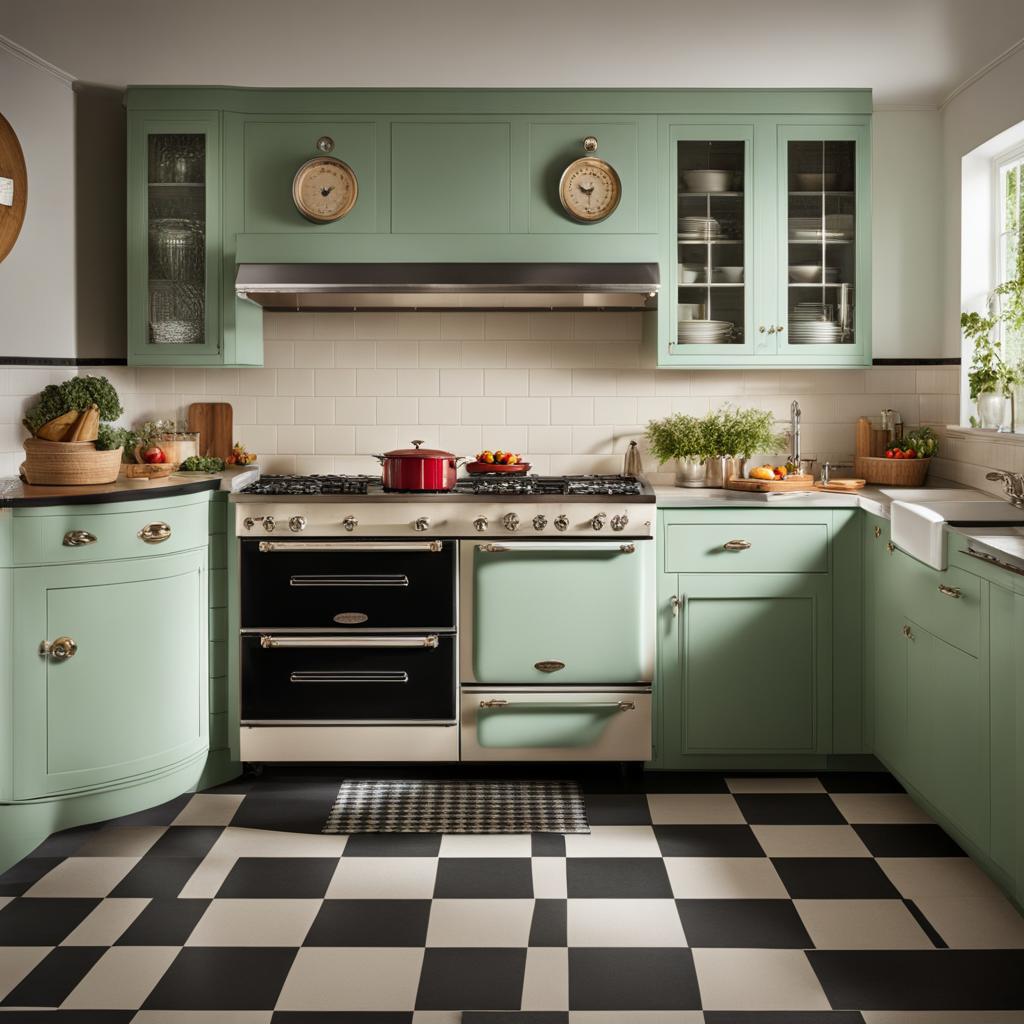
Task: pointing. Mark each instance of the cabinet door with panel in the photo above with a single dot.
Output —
(120, 691)
(174, 239)
(753, 656)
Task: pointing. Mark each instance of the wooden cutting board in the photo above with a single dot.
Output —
(846, 484)
(802, 482)
(213, 420)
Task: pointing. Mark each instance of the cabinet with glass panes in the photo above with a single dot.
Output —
(769, 250)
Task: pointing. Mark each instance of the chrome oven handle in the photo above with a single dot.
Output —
(599, 705)
(269, 642)
(271, 546)
(608, 547)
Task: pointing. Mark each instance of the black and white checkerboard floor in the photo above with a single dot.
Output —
(748, 900)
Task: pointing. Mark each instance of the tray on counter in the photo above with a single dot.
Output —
(793, 482)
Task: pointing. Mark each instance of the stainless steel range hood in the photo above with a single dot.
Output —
(305, 287)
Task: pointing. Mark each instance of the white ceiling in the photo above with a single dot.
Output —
(912, 53)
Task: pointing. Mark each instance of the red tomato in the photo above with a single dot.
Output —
(154, 455)
(889, 454)
(911, 454)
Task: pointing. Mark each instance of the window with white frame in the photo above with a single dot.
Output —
(1008, 259)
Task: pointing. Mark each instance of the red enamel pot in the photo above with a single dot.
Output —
(418, 469)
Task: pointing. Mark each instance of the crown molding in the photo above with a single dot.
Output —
(36, 61)
(982, 72)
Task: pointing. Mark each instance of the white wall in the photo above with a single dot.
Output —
(37, 280)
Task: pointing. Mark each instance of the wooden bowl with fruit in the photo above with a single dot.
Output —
(498, 461)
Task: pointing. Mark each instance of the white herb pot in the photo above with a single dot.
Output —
(690, 472)
(993, 410)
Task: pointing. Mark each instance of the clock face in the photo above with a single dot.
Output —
(324, 189)
(590, 189)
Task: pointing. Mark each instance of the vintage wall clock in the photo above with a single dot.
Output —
(13, 187)
(590, 188)
(325, 188)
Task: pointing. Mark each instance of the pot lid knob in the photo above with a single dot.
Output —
(416, 444)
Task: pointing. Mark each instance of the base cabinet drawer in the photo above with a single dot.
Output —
(518, 725)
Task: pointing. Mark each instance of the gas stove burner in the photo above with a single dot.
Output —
(615, 486)
(327, 483)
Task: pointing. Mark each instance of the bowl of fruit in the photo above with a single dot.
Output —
(498, 461)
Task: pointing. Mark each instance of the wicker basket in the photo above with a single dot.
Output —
(68, 463)
(894, 472)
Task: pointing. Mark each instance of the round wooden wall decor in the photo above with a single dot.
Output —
(13, 187)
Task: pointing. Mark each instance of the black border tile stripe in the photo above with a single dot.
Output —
(926, 926)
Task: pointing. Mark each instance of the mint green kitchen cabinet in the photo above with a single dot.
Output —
(472, 176)
(768, 255)
(1006, 699)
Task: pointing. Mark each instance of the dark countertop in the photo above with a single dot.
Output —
(15, 493)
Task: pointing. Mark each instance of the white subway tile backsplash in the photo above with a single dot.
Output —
(883, 380)
(615, 410)
(513, 383)
(257, 382)
(375, 325)
(295, 439)
(608, 326)
(505, 326)
(528, 353)
(295, 382)
(288, 325)
(462, 326)
(592, 440)
(440, 410)
(275, 410)
(635, 382)
(462, 382)
(419, 326)
(397, 410)
(483, 410)
(532, 411)
(594, 382)
(354, 410)
(569, 411)
(440, 354)
(278, 354)
(373, 383)
(483, 353)
(572, 355)
(355, 353)
(465, 441)
(552, 383)
(259, 439)
(616, 355)
(190, 381)
(330, 326)
(380, 438)
(550, 440)
(334, 440)
(313, 353)
(313, 410)
(398, 354)
(550, 326)
(423, 382)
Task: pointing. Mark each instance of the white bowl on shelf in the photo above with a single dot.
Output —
(805, 273)
(816, 181)
(708, 180)
(690, 273)
(727, 275)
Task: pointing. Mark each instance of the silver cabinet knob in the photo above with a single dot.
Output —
(562, 523)
(771, 329)
(297, 523)
(539, 522)
(510, 521)
(950, 591)
(760, 329)
(620, 522)
(779, 329)
(907, 632)
(78, 538)
(480, 524)
(349, 523)
(60, 649)
(155, 533)
(597, 523)
(269, 524)
(421, 524)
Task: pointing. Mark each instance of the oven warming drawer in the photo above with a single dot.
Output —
(555, 724)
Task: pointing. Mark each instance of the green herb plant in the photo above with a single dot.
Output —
(745, 432)
(202, 464)
(676, 437)
(75, 394)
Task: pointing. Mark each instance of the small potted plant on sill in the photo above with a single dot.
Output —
(71, 441)
(992, 379)
(681, 439)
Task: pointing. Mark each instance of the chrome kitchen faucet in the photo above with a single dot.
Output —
(794, 429)
(1013, 484)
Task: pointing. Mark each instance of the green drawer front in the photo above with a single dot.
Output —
(39, 540)
(952, 613)
(772, 547)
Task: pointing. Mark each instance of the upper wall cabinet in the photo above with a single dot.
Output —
(768, 256)
(755, 204)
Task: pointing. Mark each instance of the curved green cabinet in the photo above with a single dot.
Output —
(124, 722)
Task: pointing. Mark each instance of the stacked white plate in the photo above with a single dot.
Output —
(834, 227)
(704, 332)
(699, 229)
(810, 323)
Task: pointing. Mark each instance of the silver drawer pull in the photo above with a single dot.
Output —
(268, 642)
(949, 591)
(350, 580)
(349, 677)
(538, 705)
(155, 533)
(60, 649)
(553, 546)
(78, 538)
(272, 546)
(907, 632)
(736, 545)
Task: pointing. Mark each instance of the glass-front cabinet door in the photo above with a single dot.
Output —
(824, 241)
(173, 244)
(710, 267)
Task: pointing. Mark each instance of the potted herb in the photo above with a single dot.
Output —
(991, 378)
(735, 435)
(681, 439)
(71, 442)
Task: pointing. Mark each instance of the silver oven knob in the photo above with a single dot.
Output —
(539, 522)
(562, 523)
(297, 523)
(269, 524)
(248, 522)
(480, 524)
(350, 523)
(620, 522)
(421, 524)
(510, 521)
(597, 523)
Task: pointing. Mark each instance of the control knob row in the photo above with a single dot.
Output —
(295, 523)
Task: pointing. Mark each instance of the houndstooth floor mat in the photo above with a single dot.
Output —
(468, 806)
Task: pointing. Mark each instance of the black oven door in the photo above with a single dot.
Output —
(350, 585)
(298, 678)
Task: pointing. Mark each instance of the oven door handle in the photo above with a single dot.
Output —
(497, 703)
(269, 642)
(272, 546)
(606, 548)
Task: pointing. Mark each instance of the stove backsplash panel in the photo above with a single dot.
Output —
(567, 390)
